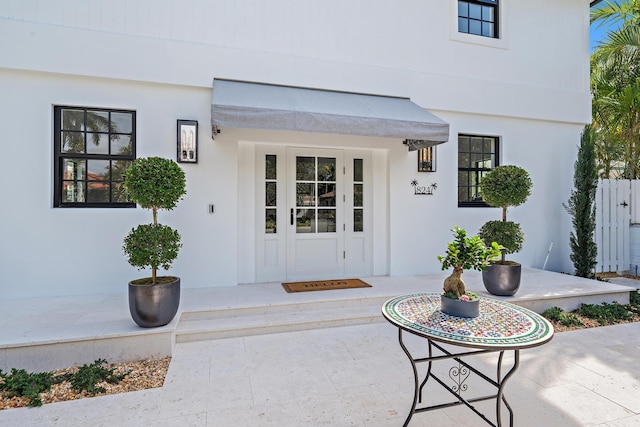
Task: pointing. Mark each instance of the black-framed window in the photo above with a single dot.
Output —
(478, 17)
(477, 156)
(93, 147)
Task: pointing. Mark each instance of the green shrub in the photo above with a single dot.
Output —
(88, 376)
(20, 383)
(556, 314)
(605, 313)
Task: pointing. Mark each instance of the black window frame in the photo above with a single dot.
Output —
(485, 5)
(60, 156)
(467, 185)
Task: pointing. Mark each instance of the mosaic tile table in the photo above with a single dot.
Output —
(500, 327)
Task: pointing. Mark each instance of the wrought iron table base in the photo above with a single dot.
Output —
(461, 373)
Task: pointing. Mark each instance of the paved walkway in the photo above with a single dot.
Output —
(358, 376)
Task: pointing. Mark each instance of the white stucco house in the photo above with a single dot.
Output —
(302, 164)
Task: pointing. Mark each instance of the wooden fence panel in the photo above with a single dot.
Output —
(613, 216)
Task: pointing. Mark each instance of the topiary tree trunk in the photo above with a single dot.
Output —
(581, 207)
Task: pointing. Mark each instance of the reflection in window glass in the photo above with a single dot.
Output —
(326, 220)
(270, 224)
(326, 194)
(477, 156)
(357, 170)
(358, 222)
(305, 168)
(358, 195)
(270, 193)
(93, 148)
(305, 194)
(98, 192)
(97, 143)
(315, 187)
(478, 17)
(305, 220)
(270, 171)
(326, 169)
(121, 144)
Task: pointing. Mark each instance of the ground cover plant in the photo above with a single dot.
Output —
(592, 315)
(19, 388)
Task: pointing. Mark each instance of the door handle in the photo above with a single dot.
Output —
(291, 216)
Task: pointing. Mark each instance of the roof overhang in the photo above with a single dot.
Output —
(240, 104)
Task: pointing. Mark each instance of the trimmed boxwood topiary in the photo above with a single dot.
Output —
(154, 183)
(503, 187)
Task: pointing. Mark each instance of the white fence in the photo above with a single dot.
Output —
(617, 212)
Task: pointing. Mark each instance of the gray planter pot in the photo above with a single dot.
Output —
(455, 307)
(502, 280)
(154, 305)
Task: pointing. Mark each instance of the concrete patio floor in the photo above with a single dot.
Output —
(354, 375)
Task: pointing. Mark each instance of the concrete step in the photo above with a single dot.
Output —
(246, 321)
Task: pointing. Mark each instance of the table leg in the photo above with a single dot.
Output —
(428, 371)
(416, 388)
(502, 382)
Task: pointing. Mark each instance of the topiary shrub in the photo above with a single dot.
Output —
(503, 187)
(154, 183)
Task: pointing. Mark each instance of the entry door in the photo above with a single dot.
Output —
(315, 208)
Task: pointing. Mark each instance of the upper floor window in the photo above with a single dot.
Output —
(479, 17)
(92, 149)
(477, 156)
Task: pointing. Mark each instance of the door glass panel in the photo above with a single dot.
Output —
(305, 221)
(357, 170)
(357, 195)
(305, 194)
(326, 194)
(358, 198)
(270, 193)
(326, 220)
(270, 221)
(358, 220)
(305, 168)
(315, 188)
(270, 167)
(326, 169)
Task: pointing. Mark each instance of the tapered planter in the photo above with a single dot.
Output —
(154, 305)
(458, 308)
(502, 279)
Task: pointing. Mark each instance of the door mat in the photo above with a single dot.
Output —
(324, 285)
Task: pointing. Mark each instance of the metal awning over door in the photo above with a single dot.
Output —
(263, 106)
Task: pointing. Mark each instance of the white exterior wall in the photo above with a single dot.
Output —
(159, 58)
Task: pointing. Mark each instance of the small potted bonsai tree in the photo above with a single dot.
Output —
(464, 253)
(503, 187)
(154, 183)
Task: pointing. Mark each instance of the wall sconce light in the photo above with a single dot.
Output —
(187, 141)
(427, 159)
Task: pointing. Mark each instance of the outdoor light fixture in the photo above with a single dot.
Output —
(187, 141)
(427, 159)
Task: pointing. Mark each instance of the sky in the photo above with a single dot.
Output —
(598, 34)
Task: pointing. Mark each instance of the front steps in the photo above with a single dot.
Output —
(236, 322)
(51, 333)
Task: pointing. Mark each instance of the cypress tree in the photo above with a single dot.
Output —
(581, 207)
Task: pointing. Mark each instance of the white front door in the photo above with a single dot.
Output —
(315, 203)
(314, 215)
